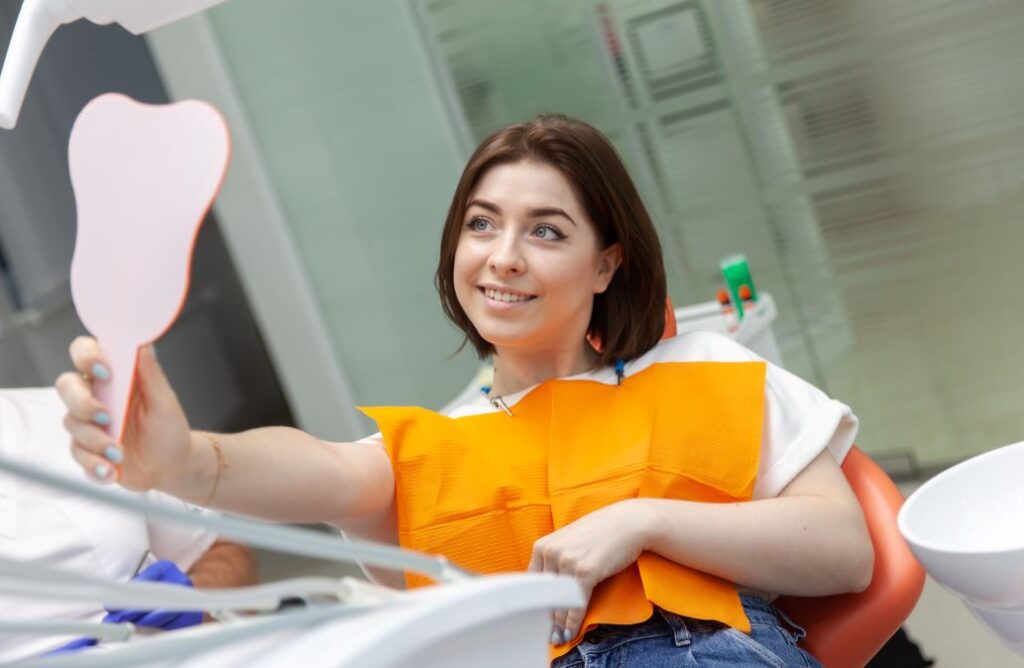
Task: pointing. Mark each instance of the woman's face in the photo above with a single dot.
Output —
(528, 261)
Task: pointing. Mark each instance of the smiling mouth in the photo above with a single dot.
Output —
(506, 297)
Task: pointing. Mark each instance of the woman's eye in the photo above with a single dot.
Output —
(548, 233)
(478, 224)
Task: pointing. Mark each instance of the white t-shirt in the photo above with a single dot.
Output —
(800, 420)
(47, 526)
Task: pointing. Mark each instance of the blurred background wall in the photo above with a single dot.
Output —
(866, 157)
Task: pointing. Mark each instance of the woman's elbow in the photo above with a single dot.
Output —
(861, 556)
(859, 551)
(862, 568)
(854, 555)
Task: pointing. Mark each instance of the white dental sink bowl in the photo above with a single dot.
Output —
(1006, 623)
(966, 527)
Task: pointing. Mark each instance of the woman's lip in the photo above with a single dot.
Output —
(498, 303)
(518, 293)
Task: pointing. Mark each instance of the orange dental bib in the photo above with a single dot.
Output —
(482, 489)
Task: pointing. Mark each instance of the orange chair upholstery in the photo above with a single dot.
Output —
(845, 631)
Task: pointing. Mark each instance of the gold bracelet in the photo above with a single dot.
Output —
(221, 465)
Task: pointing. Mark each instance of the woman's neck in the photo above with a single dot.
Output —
(515, 371)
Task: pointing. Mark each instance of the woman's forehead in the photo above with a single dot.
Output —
(526, 183)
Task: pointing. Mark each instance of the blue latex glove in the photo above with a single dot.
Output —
(161, 571)
(73, 646)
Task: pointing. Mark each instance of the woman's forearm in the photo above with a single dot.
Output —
(803, 546)
(283, 474)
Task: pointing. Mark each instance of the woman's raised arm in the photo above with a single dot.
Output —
(275, 473)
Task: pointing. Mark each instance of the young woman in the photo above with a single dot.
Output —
(683, 483)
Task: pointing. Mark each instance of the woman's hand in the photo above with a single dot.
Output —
(157, 441)
(591, 549)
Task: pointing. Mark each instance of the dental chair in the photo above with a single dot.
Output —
(845, 631)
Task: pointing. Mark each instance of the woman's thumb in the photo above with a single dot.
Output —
(153, 385)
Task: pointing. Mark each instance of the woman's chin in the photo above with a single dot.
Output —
(506, 338)
(523, 336)
(503, 341)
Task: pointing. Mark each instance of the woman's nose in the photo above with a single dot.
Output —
(507, 257)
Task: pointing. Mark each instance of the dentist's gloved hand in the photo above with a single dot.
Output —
(73, 646)
(160, 571)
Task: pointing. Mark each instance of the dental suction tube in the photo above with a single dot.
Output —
(39, 19)
(36, 22)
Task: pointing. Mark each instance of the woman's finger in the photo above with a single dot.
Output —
(537, 565)
(573, 621)
(558, 631)
(93, 439)
(87, 358)
(553, 564)
(77, 395)
(95, 467)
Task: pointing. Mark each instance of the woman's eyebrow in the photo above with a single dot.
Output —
(550, 211)
(484, 204)
(540, 212)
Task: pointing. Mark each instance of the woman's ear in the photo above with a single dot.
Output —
(611, 259)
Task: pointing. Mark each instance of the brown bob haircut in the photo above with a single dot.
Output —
(629, 317)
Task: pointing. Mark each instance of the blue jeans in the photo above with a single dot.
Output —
(668, 640)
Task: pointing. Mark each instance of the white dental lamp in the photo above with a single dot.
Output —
(40, 18)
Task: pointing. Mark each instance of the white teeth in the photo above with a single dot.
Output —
(505, 296)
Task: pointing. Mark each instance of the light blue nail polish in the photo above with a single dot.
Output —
(102, 418)
(114, 454)
(566, 635)
(556, 638)
(101, 471)
(100, 372)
